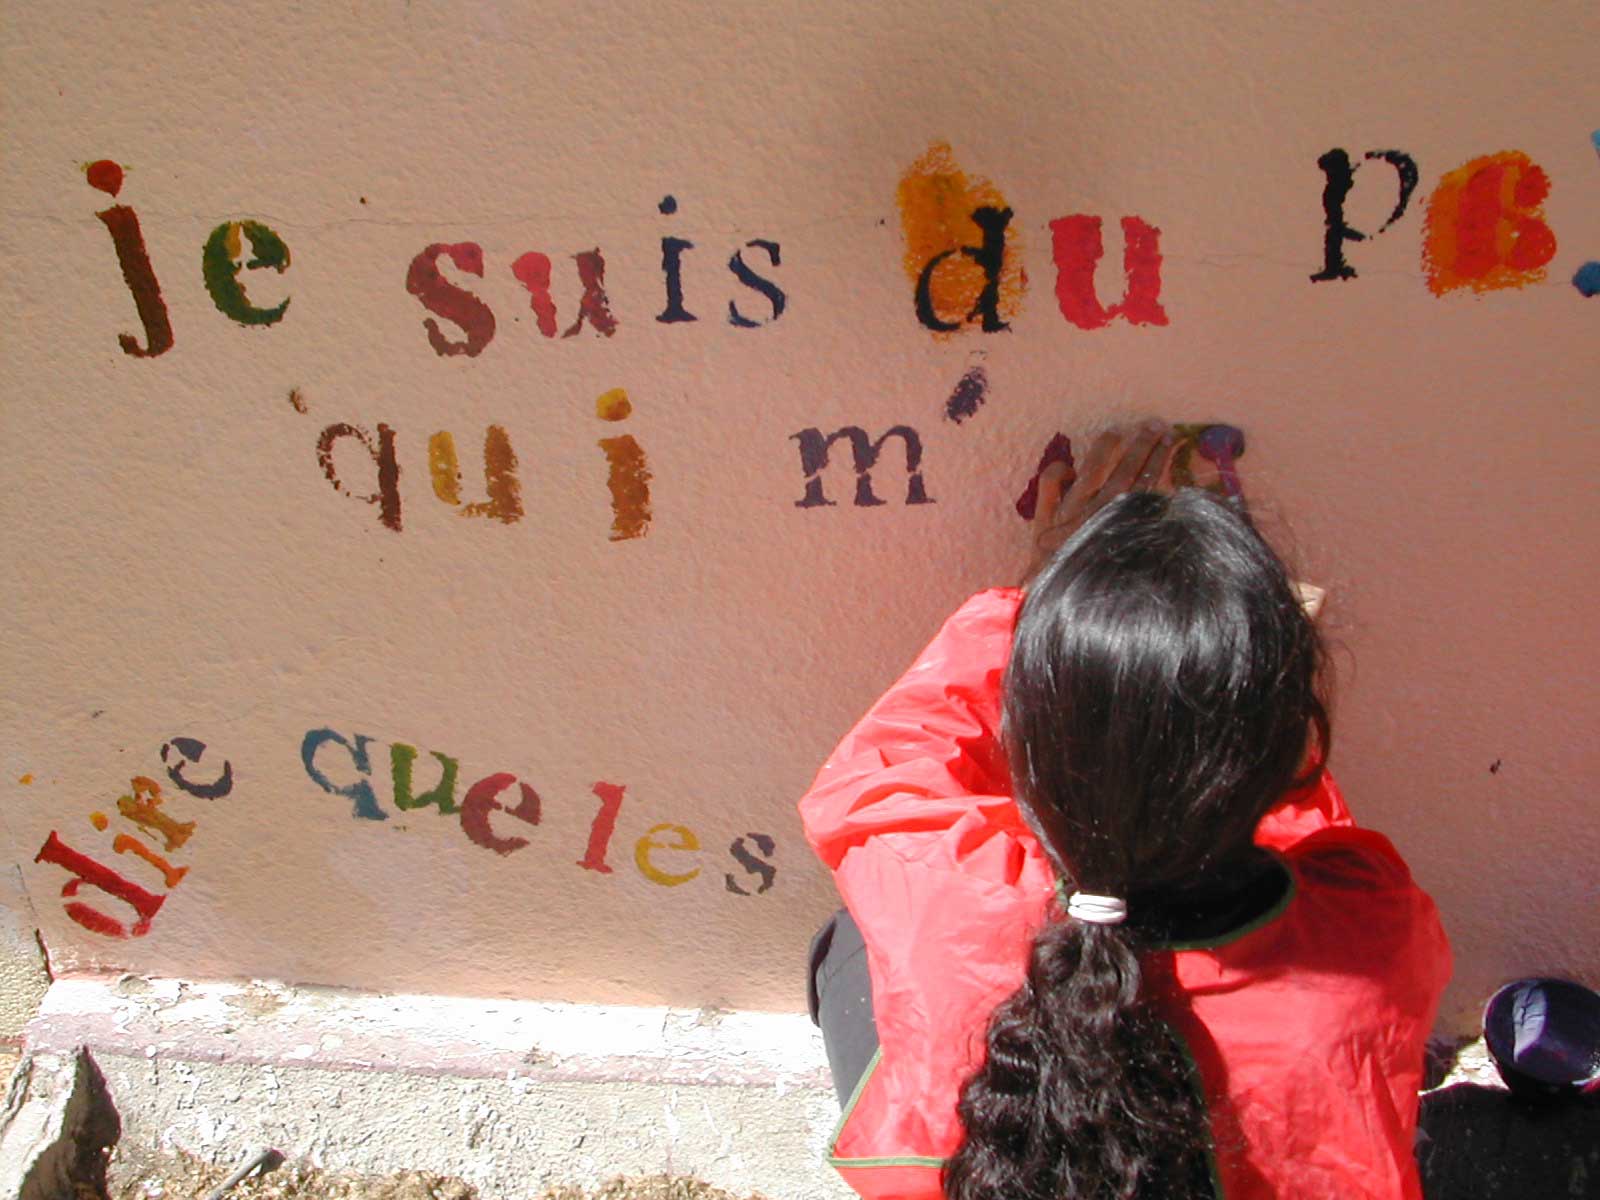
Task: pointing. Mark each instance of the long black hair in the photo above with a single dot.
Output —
(1162, 693)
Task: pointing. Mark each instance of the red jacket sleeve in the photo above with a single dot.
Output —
(929, 751)
(926, 749)
(913, 812)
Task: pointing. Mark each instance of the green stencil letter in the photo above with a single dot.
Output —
(401, 757)
(220, 265)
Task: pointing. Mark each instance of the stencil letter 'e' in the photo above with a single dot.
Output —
(443, 298)
(191, 751)
(1340, 175)
(480, 801)
(220, 267)
(644, 846)
(143, 903)
(360, 792)
(1485, 228)
(990, 256)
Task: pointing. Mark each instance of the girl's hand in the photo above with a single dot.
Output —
(1121, 460)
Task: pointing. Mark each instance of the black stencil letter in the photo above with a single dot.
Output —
(814, 459)
(990, 256)
(750, 279)
(767, 873)
(1340, 174)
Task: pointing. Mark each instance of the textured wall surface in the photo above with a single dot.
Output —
(423, 573)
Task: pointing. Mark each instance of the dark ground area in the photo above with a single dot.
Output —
(1479, 1143)
(1483, 1144)
(187, 1178)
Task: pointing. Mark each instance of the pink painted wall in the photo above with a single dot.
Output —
(183, 564)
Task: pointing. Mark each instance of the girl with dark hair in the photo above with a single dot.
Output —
(1122, 937)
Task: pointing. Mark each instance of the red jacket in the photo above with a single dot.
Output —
(1308, 1027)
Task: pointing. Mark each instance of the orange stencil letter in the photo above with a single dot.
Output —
(1485, 228)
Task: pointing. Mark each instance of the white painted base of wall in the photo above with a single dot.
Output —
(511, 1096)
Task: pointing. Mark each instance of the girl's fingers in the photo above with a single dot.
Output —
(1102, 457)
(1052, 483)
(1097, 464)
(1133, 462)
(1116, 462)
(1155, 473)
(1127, 472)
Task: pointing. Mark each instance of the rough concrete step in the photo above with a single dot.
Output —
(511, 1096)
(56, 1125)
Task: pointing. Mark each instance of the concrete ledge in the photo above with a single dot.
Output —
(263, 1022)
(512, 1096)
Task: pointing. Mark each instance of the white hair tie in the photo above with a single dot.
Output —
(1097, 910)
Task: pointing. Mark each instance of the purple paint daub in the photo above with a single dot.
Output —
(1222, 444)
(1217, 442)
(970, 393)
(1059, 450)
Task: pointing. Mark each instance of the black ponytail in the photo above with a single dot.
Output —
(1161, 695)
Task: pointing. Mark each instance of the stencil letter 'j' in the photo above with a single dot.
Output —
(123, 225)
